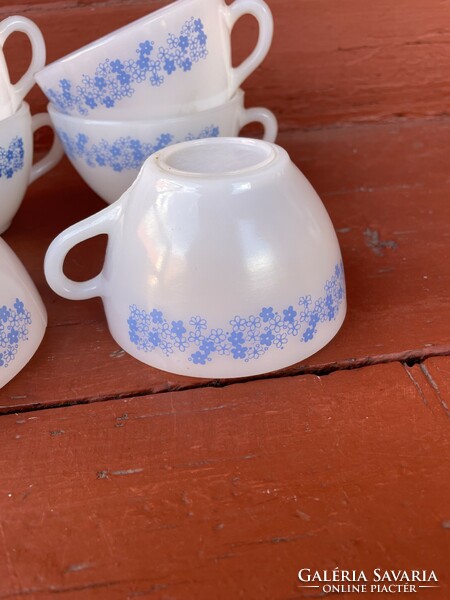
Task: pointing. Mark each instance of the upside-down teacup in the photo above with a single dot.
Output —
(173, 61)
(109, 154)
(221, 261)
(11, 95)
(23, 318)
(16, 158)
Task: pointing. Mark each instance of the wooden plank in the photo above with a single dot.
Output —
(392, 215)
(330, 61)
(227, 493)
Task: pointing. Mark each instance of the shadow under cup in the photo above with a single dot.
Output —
(109, 154)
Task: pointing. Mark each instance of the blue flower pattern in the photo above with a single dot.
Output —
(11, 158)
(14, 328)
(124, 153)
(115, 79)
(246, 338)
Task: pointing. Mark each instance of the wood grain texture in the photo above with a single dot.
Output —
(386, 188)
(226, 493)
(330, 61)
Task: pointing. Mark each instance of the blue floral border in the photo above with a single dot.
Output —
(247, 338)
(11, 158)
(114, 79)
(14, 328)
(125, 152)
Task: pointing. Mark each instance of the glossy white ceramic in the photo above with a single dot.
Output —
(11, 96)
(16, 158)
(221, 261)
(109, 154)
(23, 318)
(174, 61)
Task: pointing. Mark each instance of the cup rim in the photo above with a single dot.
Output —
(104, 39)
(238, 97)
(24, 107)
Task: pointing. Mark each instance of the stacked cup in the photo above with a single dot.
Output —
(17, 126)
(162, 79)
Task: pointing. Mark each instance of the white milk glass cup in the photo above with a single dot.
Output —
(109, 154)
(174, 61)
(17, 170)
(23, 318)
(221, 261)
(11, 95)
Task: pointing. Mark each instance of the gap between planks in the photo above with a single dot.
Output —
(407, 358)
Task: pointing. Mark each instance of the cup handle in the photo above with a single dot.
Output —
(263, 116)
(101, 222)
(55, 153)
(32, 31)
(260, 10)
